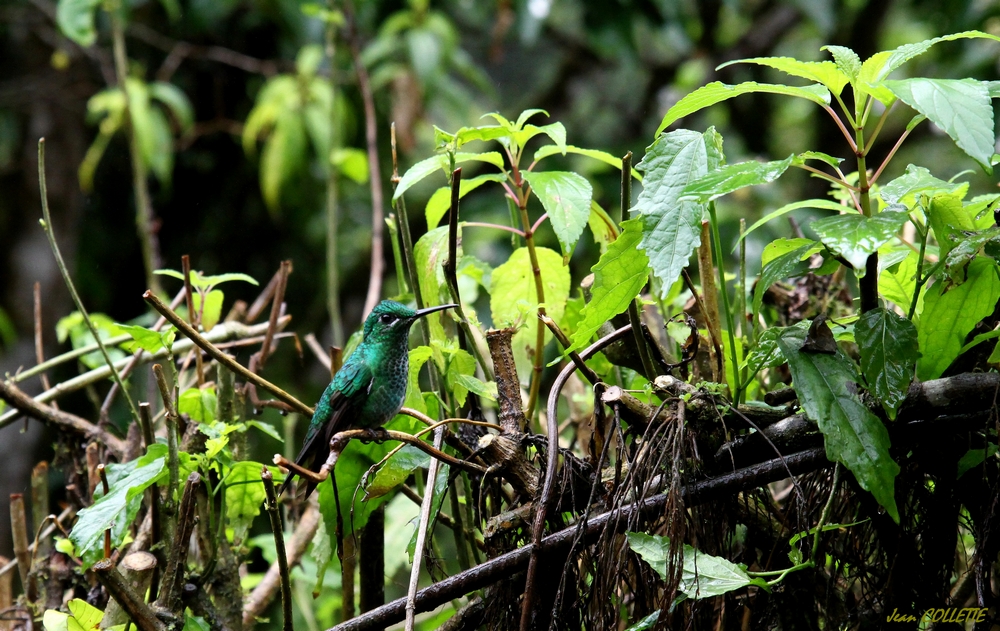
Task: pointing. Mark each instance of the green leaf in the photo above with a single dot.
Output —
(284, 153)
(76, 20)
(780, 246)
(194, 623)
(397, 470)
(825, 72)
(703, 576)
(513, 298)
(440, 201)
(430, 252)
(176, 101)
(716, 92)
(211, 313)
(888, 346)
(826, 386)
(898, 286)
(351, 162)
(950, 313)
(602, 156)
(967, 249)
(732, 177)
(440, 162)
(116, 510)
(268, 429)
(85, 617)
(619, 276)
(476, 386)
(947, 218)
(973, 458)
(821, 204)
(417, 358)
(527, 114)
(788, 264)
(147, 340)
(960, 107)
(440, 486)
(200, 404)
(460, 363)
(244, 496)
(766, 353)
(882, 64)
(855, 236)
(846, 59)
(566, 198)
(672, 226)
(205, 282)
(646, 623)
(915, 180)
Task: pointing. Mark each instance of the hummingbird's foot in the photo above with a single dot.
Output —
(376, 435)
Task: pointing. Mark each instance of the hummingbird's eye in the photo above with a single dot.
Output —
(387, 318)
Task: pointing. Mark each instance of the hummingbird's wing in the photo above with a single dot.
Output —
(339, 404)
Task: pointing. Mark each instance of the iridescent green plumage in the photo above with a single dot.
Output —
(370, 387)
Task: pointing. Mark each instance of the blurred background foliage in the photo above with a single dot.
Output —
(238, 142)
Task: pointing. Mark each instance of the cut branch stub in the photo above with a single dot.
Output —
(511, 415)
(504, 453)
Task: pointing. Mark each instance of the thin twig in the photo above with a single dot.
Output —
(39, 346)
(193, 317)
(47, 227)
(374, 171)
(279, 546)
(140, 613)
(425, 518)
(584, 369)
(19, 534)
(223, 358)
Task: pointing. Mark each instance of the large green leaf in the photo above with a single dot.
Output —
(846, 59)
(703, 575)
(960, 107)
(619, 276)
(566, 198)
(888, 345)
(397, 470)
(672, 226)
(430, 252)
(827, 387)
(716, 92)
(176, 101)
(825, 72)
(951, 312)
(967, 249)
(513, 299)
(76, 20)
(855, 236)
(244, 496)
(916, 179)
(899, 285)
(732, 177)
(948, 219)
(882, 64)
(116, 511)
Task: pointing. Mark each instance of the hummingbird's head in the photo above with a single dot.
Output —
(390, 321)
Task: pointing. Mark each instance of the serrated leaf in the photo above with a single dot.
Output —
(716, 92)
(888, 61)
(825, 72)
(619, 276)
(75, 19)
(960, 107)
(826, 386)
(555, 131)
(147, 340)
(949, 314)
(888, 346)
(513, 298)
(732, 177)
(846, 59)
(115, 510)
(703, 575)
(855, 236)
(915, 180)
(766, 353)
(671, 226)
(440, 201)
(244, 496)
(566, 198)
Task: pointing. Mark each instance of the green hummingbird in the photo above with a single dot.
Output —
(368, 390)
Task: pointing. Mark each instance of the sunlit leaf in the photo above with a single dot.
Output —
(717, 92)
(855, 236)
(566, 198)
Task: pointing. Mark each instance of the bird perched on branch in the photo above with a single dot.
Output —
(368, 391)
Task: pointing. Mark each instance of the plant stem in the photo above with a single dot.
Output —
(735, 359)
(826, 512)
(47, 227)
(143, 205)
(919, 281)
(425, 518)
(539, 363)
(710, 300)
(868, 283)
(279, 546)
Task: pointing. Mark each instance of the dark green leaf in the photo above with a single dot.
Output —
(855, 236)
(960, 107)
(888, 346)
(619, 276)
(973, 458)
(566, 198)
(788, 264)
(950, 313)
(967, 249)
(948, 218)
(826, 386)
(672, 227)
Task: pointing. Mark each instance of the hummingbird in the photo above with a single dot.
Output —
(368, 390)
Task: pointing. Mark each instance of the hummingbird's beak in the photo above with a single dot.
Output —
(422, 312)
